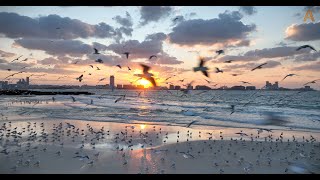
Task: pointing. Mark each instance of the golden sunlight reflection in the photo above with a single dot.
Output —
(144, 82)
(142, 126)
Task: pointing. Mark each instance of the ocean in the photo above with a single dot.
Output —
(299, 110)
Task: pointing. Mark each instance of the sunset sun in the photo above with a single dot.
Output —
(144, 82)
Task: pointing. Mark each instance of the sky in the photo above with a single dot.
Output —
(56, 44)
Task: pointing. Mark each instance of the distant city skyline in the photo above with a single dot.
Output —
(55, 45)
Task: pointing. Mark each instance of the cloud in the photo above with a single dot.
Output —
(314, 9)
(309, 67)
(248, 10)
(126, 21)
(154, 13)
(13, 25)
(57, 47)
(258, 54)
(6, 54)
(303, 32)
(2, 61)
(152, 45)
(249, 66)
(226, 29)
(308, 57)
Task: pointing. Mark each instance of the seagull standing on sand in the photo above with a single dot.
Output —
(201, 68)
(305, 46)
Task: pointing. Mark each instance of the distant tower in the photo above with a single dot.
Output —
(28, 81)
(112, 82)
(276, 85)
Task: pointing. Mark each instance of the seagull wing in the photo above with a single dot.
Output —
(145, 68)
(151, 79)
(205, 73)
(312, 48)
(201, 63)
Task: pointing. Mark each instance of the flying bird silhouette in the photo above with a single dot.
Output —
(96, 51)
(245, 82)
(129, 69)
(99, 61)
(98, 69)
(229, 61)
(80, 78)
(220, 52)
(17, 58)
(201, 68)
(127, 54)
(305, 46)
(152, 56)
(119, 66)
(311, 82)
(188, 125)
(258, 67)
(146, 75)
(289, 75)
(91, 66)
(219, 70)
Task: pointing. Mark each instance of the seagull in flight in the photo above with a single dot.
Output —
(119, 66)
(146, 75)
(14, 74)
(152, 56)
(201, 68)
(98, 69)
(99, 61)
(188, 125)
(80, 78)
(305, 46)
(120, 98)
(229, 61)
(127, 54)
(311, 82)
(96, 51)
(232, 109)
(73, 99)
(258, 67)
(220, 52)
(289, 75)
(91, 66)
(129, 69)
(17, 58)
(235, 74)
(219, 70)
(245, 82)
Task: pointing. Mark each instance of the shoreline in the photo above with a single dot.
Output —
(137, 148)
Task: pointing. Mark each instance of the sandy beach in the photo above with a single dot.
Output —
(72, 146)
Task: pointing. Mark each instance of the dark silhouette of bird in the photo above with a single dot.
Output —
(121, 98)
(96, 51)
(9, 69)
(311, 82)
(98, 69)
(14, 74)
(127, 54)
(201, 68)
(152, 56)
(73, 99)
(229, 61)
(289, 75)
(99, 61)
(305, 46)
(119, 66)
(232, 109)
(188, 125)
(219, 70)
(235, 74)
(258, 67)
(220, 52)
(245, 82)
(80, 78)
(208, 81)
(17, 58)
(175, 18)
(146, 75)
(76, 62)
(25, 59)
(129, 69)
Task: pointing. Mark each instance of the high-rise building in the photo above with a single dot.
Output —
(171, 87)
(112, 82)
(27, 81)
(177, 88)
